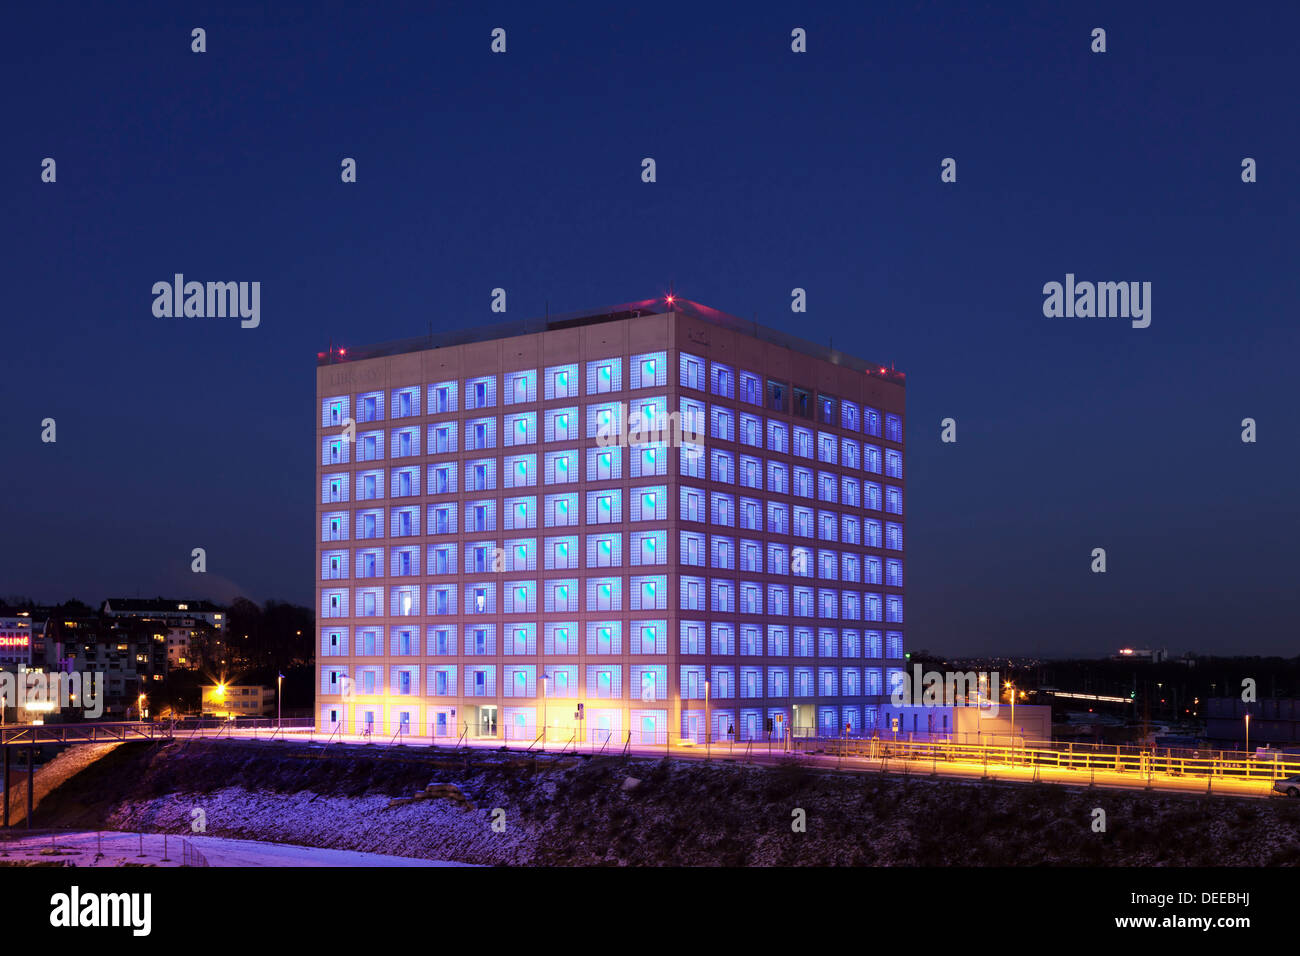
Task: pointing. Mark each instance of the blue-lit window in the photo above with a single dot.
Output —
(777, 437)
(893, 463)
(561, 381)
(691, 371)
(894, 536)
(722, 380)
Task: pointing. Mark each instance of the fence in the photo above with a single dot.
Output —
(49, 844)
(1171, 761)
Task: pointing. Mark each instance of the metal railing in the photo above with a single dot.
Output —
(73, 841)
(1091, 758)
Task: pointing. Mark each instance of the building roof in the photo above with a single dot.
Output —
(159, 606)
(614, 313)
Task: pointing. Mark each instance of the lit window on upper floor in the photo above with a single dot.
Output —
(692, 549)
(335, 450)
(480, 392)
(334, 526)
(893, 463)
(691, 504)
(561, 553)
(894, 573)
(604, 550)
(370, 407)
(649, 370)
(893, 536)
(803, 482)
(405, 402)
(370, 446)
(751, 388)
(750, 473)
(826, 448)
(442, 398)
(335, 487)
(691, 371)
(442, 478)
(604, 376)
(894, 500)
(520, 513)
(519, 471)
(605, 507)
(648, 460)
(894, 428)
(850, 492)
(871, 459)
(648, 548)
(334, 411)
(561, 382)
(604, 424)
(520, 429)
(649, 504)
(405, 482)
(404, 442)
(751, 430)
(480, 434)
(871, 421)
(442, 438)
(562, 424)
(722, 423)
(803, 442)
(850, 415)
(520, 387)
(561, 467)
(605, 464)
(778, 437)
(777, 396)
(827, 489)
(480, 516)
(562, 511)
(722, 380)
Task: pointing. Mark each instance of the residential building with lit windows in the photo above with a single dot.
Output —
(652, 521)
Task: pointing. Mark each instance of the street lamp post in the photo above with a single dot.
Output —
(708, 728)
(1248, 732)
(1011, 690)
(545, 678)
(279, 712)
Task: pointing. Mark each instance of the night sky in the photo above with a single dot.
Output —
(775, 170)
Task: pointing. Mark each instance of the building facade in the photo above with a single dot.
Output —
(657, 521)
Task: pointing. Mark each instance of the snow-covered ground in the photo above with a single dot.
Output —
(113, 848)
(224, 852)
(67, 764)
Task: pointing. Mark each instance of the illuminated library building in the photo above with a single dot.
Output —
(654, 522)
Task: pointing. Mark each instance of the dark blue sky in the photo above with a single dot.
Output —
(775, 170)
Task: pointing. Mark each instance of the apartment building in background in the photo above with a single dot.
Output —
(652, 521)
